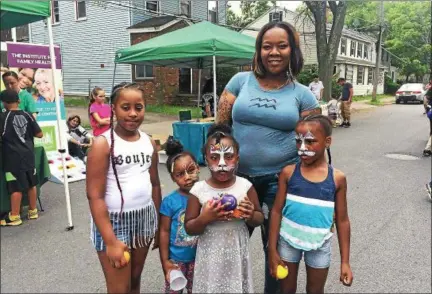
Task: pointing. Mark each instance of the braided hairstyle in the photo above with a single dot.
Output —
(115, 93)
(326, 125)
(218, 132)
(174, 149)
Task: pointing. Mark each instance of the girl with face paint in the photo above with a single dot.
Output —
(177, 249)
(219, 210)
(311, 196)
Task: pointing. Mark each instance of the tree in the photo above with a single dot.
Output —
(327, 44)
(250, 10)
(407, 32)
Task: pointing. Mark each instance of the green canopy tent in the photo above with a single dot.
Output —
(16, 13)
(202, 45)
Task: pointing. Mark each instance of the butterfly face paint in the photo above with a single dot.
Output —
(222, 152)
(302, 140)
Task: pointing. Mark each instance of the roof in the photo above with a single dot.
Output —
(153, 22)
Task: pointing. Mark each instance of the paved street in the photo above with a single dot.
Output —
(390, 219)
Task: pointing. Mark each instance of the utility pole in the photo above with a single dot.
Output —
(379, 50)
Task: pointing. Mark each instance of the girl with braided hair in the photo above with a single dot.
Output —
(124, 192)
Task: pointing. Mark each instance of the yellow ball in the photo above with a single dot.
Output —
(127, 256)
(281, 272)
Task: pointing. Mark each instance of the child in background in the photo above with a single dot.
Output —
(79, 140)
(177, 249)
(332, 107)
(222, 263)
(309, 194)
(99, 112)
(124, 192)
(17, 129)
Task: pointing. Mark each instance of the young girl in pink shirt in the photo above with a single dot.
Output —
(99, 112)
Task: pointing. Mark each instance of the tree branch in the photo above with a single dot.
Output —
(333, 7)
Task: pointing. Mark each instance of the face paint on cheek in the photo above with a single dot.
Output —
(303, 149)
(221, 150)
(192, 174)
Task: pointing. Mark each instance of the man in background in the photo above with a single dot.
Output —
(317, 87)
(347, 95)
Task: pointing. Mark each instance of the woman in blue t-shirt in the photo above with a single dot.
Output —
(263, 107)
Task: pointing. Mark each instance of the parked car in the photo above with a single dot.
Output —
(410, 93)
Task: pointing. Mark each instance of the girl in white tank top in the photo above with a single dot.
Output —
(124, 192)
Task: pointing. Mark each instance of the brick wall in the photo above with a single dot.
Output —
(164, 87)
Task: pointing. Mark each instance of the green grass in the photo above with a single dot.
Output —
(369, 97)
(377, 103)
(74, 101)
(172, 110)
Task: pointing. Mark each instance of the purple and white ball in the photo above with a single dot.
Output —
(231, 200)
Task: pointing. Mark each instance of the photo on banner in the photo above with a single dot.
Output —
(32, 63)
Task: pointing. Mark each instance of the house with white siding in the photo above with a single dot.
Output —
(90, 32)
(356, 57)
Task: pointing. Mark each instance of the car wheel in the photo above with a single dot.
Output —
(397, 101)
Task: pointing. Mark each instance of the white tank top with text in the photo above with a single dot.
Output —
(133, 161)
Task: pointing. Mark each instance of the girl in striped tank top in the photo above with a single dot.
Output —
(310, 194)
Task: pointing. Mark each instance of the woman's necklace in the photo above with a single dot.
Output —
(278, 87)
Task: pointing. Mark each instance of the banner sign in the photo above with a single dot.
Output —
(32, 63)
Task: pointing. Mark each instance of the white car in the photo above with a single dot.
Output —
(411, 93)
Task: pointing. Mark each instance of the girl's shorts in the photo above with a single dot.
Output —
(319, 258)
(135, 228)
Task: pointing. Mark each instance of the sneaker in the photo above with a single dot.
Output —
(429, 190)
(32, 214)
(11, 220)
(347, 125)
(427, 153)
(342, 124)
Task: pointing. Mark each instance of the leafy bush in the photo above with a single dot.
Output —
(390, 87)
(223, 76)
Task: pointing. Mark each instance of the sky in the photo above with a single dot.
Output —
(290, 5)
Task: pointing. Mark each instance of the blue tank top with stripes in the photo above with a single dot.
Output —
(307, 216)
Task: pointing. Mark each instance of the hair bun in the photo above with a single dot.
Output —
(223, 128)
(173, 146)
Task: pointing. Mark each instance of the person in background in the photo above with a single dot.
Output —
(79, 140)
(27, 103)
(332, 107)
(317, 87)
(347, 95)
(426, 98)
(17, 129)
(99, 112)
(26, 78)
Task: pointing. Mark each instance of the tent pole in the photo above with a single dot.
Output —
(199, 87)
(113, 80)
(214, 86)
(61, 148)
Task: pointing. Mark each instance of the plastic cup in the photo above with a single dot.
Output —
(177, 280)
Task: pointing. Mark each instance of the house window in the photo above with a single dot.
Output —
(213, 11)
(370, 75)
(343, 46)
(185, 8)
(353, 48)
(349, 73)
(275, 16)
(55, 15)
(359, 50)
(152, 6)
(143, 72)
(80, 10)
(365, 51)
(360, 75)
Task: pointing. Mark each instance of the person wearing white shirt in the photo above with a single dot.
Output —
(317, 87)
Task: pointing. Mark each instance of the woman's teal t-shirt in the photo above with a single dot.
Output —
(264, 123)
